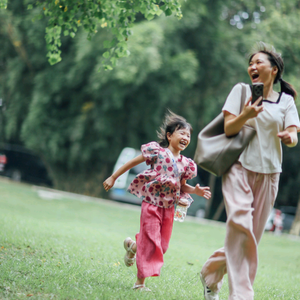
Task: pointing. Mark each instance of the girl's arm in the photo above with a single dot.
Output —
(198, 190)
(233, 124)
(110, 181)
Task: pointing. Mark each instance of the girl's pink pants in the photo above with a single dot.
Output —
(156, 225)
(249, 198)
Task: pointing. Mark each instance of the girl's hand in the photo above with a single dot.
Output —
(252, 110)
(109, 183)
(203, 191)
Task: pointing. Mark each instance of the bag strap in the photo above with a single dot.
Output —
(243, 97)
(175, 167)
(176, 172)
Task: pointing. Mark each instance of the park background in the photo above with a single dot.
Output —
(78, 116)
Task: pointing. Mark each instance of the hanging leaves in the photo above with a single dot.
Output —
(65, 16)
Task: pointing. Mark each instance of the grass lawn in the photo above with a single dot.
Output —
(68, 248)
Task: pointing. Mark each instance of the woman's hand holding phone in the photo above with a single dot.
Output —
(251, 110)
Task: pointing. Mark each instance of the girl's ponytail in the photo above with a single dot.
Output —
(287, 88)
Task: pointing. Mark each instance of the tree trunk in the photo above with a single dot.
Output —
(295, 230)
(219, 211)
(212, 182)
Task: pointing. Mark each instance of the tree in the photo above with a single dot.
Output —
(66, 16)
(295, 230)
(75, 113)
(79, 119)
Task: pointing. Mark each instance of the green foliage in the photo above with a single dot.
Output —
(76, 127)
(3, 4)
(66, 16)
(79, 119)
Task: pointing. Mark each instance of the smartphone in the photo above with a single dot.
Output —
(257, 90)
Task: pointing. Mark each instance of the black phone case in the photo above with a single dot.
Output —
(257, 91)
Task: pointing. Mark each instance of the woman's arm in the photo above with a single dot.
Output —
(289, 136)
(110, 181)
(233, 124)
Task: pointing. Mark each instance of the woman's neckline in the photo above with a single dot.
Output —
(274, 102)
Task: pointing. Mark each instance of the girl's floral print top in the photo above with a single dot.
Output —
(159, 185)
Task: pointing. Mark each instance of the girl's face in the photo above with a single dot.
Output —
(260, 69)
(179, 139)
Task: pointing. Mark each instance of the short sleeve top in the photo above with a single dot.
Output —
(264, 152)
(159, 185)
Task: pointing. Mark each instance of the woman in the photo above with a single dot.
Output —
(250, 186)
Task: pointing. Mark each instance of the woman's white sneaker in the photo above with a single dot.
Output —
(208, 294)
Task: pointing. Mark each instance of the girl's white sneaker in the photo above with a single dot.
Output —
(208, 294)
(141, 287)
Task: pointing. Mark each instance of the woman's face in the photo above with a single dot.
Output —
(260, 69)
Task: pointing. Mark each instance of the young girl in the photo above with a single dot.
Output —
(160, 188)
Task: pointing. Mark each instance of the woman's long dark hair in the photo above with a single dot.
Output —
(275, 60)
(172, 122)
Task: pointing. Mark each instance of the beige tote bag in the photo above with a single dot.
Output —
(216, 152)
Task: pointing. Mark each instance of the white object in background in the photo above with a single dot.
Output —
(126, 155)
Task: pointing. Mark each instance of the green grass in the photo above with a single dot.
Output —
(70, 249)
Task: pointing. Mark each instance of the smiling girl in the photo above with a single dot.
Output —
(160, 188)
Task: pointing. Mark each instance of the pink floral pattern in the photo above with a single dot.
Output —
(158, 185)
